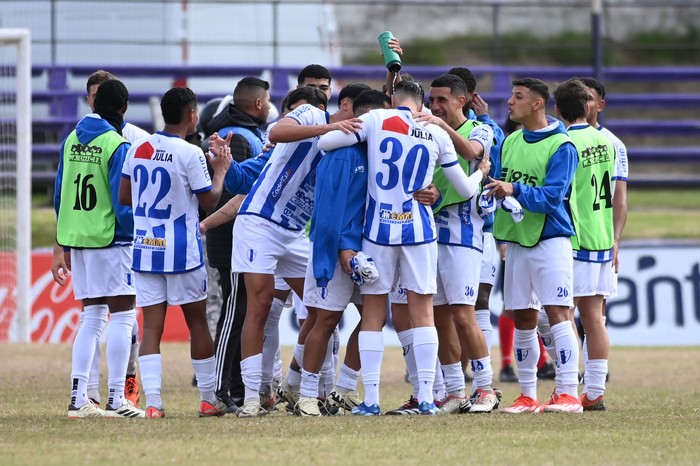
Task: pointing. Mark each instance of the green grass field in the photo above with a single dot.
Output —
(653, 417)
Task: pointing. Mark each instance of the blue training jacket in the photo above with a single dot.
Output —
(241, 176)
(339, 208)
(553, 198)
(87, 129)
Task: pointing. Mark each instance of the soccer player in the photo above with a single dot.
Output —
(400, 232)
(165, 179)
(269, 233)
(316, 76)
(537, 167)
(98, 231)
(336, 236)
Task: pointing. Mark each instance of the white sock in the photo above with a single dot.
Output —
(425, 346)
(527, 352)
(347, 380)
(205, 371)
(298, 356)
(277, 368)
(251, 373)
(309, 384)
(567, 358)
(93, 383)
(439, 388)
(483, 373)
(271, 341)
(454, 377)
(545, 332)
(371, 353)
(483, 320)
(336, 348)
(134, 354)
(88, 336)
(406, 340)
(327, 372)
(596, 371)
(293, 378)
(118, 350)
(151, 374)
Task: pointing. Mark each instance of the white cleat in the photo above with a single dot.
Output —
(344, 401)
(89, 409)
(484, 401)
(251, 408)
(125, 411)
(307, 407)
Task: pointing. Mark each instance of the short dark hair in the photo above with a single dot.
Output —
(245, 93)
(570, 98)
(98, 77)
(314, 71)
(535, 85)
(411, 89)
(351, 91)
(112, 95)
(466, 76)
(594, 84)
(454, 82)
(175, 103)
(370, 99)
(311, 95)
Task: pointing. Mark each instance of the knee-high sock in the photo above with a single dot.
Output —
(271, 342)
(483, 373)
(371, 353)
(483, 320)
(94, 320)
(251, 373)
(327, 370)
(596, 371)
(93, 384)
(205, 371)
(406, 340)
(567, 358)
(151, 374)
(118, 350)
(135, 343)
(454, 378)
(527, 352)
(425, 345)
(347, 380)
(309, 384)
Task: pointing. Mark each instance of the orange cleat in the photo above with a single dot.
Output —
(207, 409)
(592, 405)
(522, 404)
(131, 389)
(561, 404)
(154, 413)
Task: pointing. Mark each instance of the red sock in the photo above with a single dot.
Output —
(506, 331)
(543, 354)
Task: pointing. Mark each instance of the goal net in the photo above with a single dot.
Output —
(15, 185)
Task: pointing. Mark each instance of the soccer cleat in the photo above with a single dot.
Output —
(428, 409)
(484, 401)
(592, 405)
(89, 409)
(346, 401)
(206, 409)
(230, 403)
(522, 404)
(95, 402)
(125, 411)
(131, 389)
(268, 400)
(547, 371)
(251, 408)
(408, 408)
(507, 374)
(363, 410)
(288, 393)
(307, 407)
(452, 404)
(561, 404)
(155, 413)
(328, 409)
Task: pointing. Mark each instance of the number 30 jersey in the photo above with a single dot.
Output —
(166, 174)
(401, 158)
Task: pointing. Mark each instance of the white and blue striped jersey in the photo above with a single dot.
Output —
(461, 224)
(284, 191)
(621, 171)
(166, 174)
(401, 158)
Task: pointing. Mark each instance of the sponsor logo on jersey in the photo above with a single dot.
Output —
(85, 154)
(281, 182)
(150, 243)
(595, 154)
(360, 169)
(387, 216)
(521, 354)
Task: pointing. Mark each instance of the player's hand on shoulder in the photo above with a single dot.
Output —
(427, 119)
(427, 196)
(351, 125)
(267, 148)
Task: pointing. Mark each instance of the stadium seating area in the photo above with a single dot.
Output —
(641, 135)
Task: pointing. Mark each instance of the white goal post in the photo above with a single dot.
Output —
(16, 303)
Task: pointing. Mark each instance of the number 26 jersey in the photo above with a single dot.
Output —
(166, 174)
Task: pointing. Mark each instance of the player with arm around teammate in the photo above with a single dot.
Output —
(165, 180)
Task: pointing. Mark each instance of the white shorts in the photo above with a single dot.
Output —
(336, 296)
(546, 270)
(260, 246)
(458, 275)
(613, 285)
(592, 278)
(173, 288)
(490, 261)
(418, 265)
(98, 273)
(281, 284)
(299, 307)
(398, 295)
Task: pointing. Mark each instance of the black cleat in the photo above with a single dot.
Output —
(507, 374)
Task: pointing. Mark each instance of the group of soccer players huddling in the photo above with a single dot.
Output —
(383, 203)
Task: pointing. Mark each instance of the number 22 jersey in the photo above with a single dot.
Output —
(166, 174)
(401, 159)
